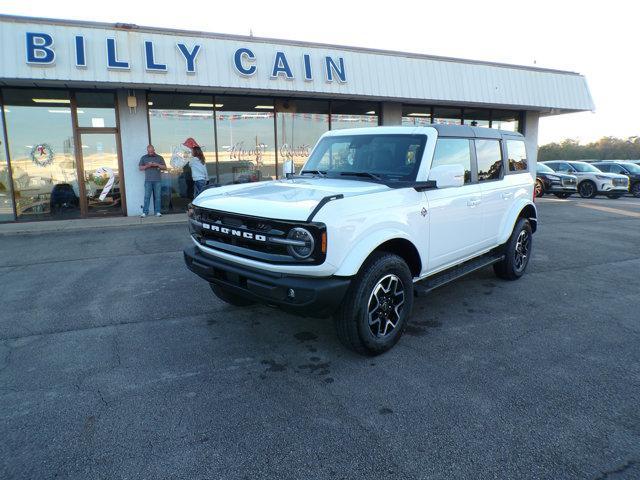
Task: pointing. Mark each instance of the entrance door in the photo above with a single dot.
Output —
(100, 164)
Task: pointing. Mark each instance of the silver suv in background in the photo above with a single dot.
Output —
(591, 180)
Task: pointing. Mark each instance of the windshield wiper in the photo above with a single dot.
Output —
(362, 174)
(314, 172)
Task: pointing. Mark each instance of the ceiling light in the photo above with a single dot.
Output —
(203, 105)
(371, 112)
(150, 103)
(263, 107)
(219, 105)
(418, 114)
(64, 110)
(51, 100)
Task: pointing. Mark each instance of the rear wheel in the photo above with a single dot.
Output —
(517, 252)
(562, 195)
(539, 188)
(375, 310)
(230, 297)
(587, 189)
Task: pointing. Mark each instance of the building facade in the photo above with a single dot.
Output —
(81, 101)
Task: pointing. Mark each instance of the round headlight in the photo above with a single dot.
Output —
(304, 243)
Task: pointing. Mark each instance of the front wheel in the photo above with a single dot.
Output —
(375, 310)
(635, 190)
(230, 297)
(517, 252)
(587, 189)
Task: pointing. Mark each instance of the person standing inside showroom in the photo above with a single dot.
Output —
(151, 164)
(198, 166)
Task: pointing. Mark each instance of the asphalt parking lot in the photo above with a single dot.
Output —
(117, 362)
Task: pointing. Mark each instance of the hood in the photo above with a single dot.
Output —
(292, 199)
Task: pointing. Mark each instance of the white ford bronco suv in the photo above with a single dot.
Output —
(374, 216)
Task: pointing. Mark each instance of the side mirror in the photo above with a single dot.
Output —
(447, 176)
(288, 168)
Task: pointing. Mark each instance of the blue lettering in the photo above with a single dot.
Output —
(281, 65)
(149, 57)
(307, 67)
(338, 70)
(189, 56)
(244, 54)
(112, 56)
(81, 59)
(39, 49)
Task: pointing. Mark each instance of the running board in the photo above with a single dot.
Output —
(430, 283)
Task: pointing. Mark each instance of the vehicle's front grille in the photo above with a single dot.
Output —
(253, 237)
(568, 182)
(620, 182)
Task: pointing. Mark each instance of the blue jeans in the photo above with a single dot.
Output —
(198, 187)
(156, 188)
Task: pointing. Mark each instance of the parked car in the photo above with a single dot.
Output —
(561, 185)
(629, 169)
(591, 180)
(375, 215)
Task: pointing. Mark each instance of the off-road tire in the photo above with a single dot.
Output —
(510, 268)
(230, 297)
(352, 319)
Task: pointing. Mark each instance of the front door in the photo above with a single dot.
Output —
(100, 162)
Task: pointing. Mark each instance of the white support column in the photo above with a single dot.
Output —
(134, 137)
(391, 113)
(531, 135)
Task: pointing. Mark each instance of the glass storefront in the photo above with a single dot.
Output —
(346, 114)
(6, 194)
(243, 138)
(172, 119)
(246, 139)
(42, 153)
(300, 124)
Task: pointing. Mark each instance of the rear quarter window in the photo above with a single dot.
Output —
(517, 153)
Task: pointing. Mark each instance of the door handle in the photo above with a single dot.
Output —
(507, 195)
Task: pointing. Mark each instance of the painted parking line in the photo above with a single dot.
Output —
(602, 208)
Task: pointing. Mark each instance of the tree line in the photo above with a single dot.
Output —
(607, 148)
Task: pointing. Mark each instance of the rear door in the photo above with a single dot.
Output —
(455, 216)
(497, 192)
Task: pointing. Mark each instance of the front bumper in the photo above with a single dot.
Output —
(313, 297)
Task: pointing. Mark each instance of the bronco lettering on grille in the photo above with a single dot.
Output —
(235, 232)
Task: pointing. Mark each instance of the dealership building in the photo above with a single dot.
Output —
(81, 101)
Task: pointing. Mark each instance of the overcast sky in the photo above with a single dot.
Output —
(600, 41)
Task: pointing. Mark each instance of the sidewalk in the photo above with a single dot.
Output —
(87, 223)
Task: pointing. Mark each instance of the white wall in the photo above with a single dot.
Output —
(391, 113)
(134, 136)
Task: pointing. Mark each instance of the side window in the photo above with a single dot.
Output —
(613, 168)
(605, 167)
(489, 158)
(563, 167)
(453, 151)
(517, 155)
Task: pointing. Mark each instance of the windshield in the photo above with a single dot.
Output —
(544, 169)
(381, 157)
(585, 167)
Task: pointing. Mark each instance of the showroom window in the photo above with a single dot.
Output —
(96, 109)
(447, 116)
(416, 116)
(505, 120)
(300, 123)
(489, 157)
(246, 139)
(6, 195)
(477, 117)
(42, 154)
(172, 119)
(354, 114)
